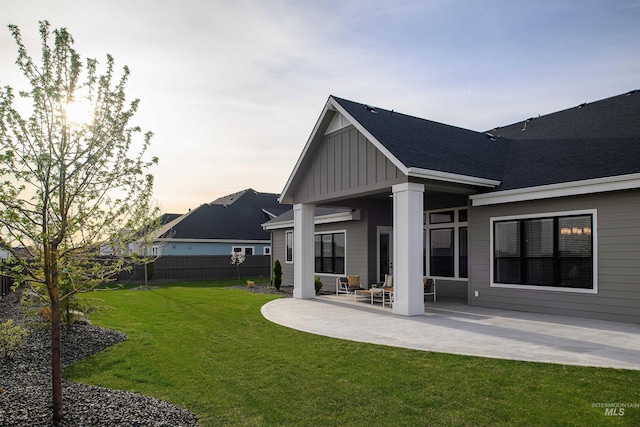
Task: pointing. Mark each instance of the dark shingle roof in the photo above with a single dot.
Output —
(617, 116)
(551, 161)
(594, 140)
(240, 219)
(430, 145)
(168, 217)
(597, 140)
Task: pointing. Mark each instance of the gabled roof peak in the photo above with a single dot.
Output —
(230, 198)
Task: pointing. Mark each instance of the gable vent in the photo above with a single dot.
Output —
(338, 122)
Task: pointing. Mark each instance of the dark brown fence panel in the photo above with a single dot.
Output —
(201, 268)
(5, 281)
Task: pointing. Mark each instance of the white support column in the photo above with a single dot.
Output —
(303, 247)
(408, 211)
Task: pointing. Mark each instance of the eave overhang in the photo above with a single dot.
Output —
(574, 188)
(353, 215)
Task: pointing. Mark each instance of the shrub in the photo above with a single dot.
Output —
(318, 283)
(251, 283)
(277, 274)
(11, 337)
(45, 314)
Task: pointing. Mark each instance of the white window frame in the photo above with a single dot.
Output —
(345, 252)
(456, 225)
(286, 252)
(594, 255)
(243, 249)
(266, 250)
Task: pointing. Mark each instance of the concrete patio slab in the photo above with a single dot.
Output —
(453, 327)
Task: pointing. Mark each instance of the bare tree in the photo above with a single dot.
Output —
(69, 186)
(149, 245)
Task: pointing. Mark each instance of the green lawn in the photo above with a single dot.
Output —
(208, 349)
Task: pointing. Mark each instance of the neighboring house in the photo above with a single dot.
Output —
(542, 215)
(230, 223)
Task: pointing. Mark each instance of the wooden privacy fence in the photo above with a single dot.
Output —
(5, 281)
(201, 268)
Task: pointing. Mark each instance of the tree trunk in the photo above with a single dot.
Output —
(53, 284)
(56, 365)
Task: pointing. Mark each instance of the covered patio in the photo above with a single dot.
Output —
(378, 165)
(451, 326)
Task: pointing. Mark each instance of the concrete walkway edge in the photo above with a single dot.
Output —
(453, 327)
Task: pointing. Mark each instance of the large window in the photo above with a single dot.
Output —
(330, 253)
(553, 251)
(288, 237)
(446, 243)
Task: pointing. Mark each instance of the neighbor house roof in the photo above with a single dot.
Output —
(234, 217)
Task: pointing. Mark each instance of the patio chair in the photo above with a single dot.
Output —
(342, 285)
(388, 281)
(429, 287)
(347, 285)
(387, 286)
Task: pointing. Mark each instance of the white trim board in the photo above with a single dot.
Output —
(324, 219)
(589, 186)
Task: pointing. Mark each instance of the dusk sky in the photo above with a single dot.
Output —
(233, 89)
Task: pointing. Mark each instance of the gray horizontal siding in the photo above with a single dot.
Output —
(357, 245)
(278, 252)
(451, 288)
(345, 163)
(618, 296)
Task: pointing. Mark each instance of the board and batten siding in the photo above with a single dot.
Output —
(346, 164)
(618, 232)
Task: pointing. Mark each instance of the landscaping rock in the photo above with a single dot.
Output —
(25, 383)
(265, 288)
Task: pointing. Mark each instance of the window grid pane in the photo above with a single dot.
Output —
(463, 255)
(442, 252)
(538, 252)
(441, 217)
(289, 246)
(575, 247)
(508, 266)
(330, 253)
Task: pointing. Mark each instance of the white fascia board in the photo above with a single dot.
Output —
(452, 177)
(325, 110)
(588, 186)
(324, 219)
(234, 241)
(271, 215)
(333, 105)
